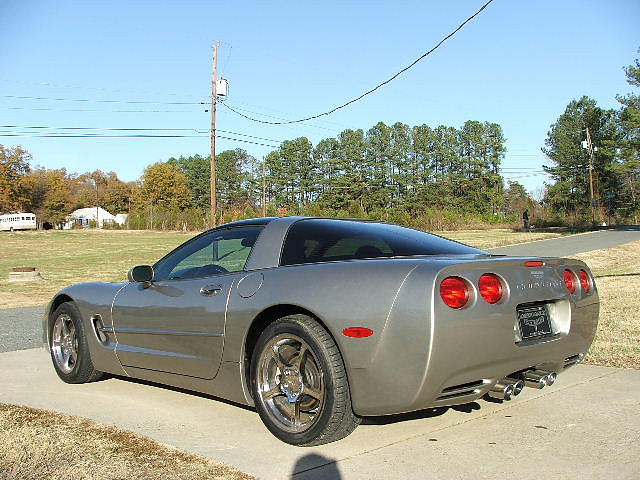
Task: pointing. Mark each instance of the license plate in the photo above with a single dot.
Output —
(534, 320)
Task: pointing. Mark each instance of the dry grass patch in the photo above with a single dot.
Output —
(37, 444)
(617, 274)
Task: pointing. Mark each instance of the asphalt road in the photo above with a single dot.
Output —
(574, 244)
(20, 327)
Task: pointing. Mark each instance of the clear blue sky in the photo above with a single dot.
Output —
(518, 64)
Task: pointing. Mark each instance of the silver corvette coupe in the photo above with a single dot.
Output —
(320, 322)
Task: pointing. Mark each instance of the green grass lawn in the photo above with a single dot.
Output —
(68, 257)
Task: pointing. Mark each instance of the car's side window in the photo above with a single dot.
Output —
(219, 251)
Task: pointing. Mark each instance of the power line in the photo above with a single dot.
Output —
(92, 135)
(244, 106)
(85, 100)
(250, 136)
(520, 168)
(98, 136)
(48, 109)
(247, 141)
(283, 122)
(368, 92)
(101, 89)
(100, 128)
(106, 129)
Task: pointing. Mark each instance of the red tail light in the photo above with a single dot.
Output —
(490, 287)
(357, 332)
(570, 281)
(585, 281)
(454, 292)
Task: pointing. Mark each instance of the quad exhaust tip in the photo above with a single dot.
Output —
(506, 389)
(509, 387)
(539, 378)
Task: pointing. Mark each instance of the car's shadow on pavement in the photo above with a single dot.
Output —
(419, 414)
(369, 420)
(179, 390)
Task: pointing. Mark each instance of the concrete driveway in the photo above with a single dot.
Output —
(585, 426)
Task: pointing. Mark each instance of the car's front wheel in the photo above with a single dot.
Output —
(68, 346)
(300, 384)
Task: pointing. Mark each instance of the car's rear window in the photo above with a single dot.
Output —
(324, 240)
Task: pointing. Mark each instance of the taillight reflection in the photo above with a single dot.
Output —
(490, 287)
(569, 281)
(454, 292)
(585, 281)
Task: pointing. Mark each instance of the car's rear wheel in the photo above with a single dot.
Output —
(68, 346)
(300, 384)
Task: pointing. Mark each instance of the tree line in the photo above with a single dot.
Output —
(432, 178)
(613, 174)
(441, 175)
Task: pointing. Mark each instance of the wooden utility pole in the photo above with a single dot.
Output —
(591, 201)
(214, 100)
(97, 205)
(264, 190)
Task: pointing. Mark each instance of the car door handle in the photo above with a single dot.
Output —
(210, 290)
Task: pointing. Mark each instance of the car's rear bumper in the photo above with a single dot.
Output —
(456, 357)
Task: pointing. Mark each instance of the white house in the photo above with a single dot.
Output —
(121, 218)
(83, 216)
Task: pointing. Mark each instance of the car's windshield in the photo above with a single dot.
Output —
(324, 240)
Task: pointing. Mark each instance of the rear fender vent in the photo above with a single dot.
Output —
(572, 360)
(462, 390)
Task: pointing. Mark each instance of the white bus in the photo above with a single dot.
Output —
(17, 221)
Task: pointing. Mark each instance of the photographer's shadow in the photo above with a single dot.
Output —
(315, 467)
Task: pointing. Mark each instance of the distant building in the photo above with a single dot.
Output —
(84, 216)
(121, 218)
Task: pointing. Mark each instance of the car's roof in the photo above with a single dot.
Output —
(249, 221)
(265, 220)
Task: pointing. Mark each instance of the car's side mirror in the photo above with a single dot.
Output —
(141, 274)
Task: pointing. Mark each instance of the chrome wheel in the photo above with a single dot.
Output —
(290, 383)
(64, 343)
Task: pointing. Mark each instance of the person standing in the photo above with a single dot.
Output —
(525, 219)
